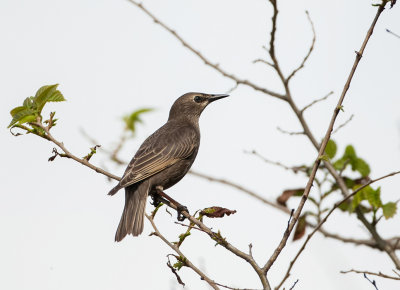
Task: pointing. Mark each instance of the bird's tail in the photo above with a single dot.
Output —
(114, 190)
(132, 219)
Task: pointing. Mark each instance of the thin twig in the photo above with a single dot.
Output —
(70, 155)
(309, 50)
(391, 32)
(316, 101)
(295, 169)
(344, 124)
(290, 132)
(259, 60)
(373, 282)
(294, 284)
(204, 59)
(379, 274)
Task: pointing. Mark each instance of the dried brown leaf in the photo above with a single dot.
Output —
(286, 194)
(300, 228)
(216, 212)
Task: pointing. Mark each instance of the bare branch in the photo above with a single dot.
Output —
(316, 101)
(309, 50)
(204, 59)
(179, 252)
(394, 271)
(70, 155)
(271, 50)
(264, 62)
(325, 219)
(294, 284)
(232, 89)
(373, 282)
(344, 124)
(391, 32)
(379, 274)
(295, 169)
(174, 271)
(290, 133)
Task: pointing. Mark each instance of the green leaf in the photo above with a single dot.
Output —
(27, 119)
(389, 209)
(132, 119)
(350, 153)
(373, 196)
(331, 148)
(46, 94)
(29, 103)
(324, 157)
(340, 164)
(345, 206)
(16, 110)
(350, 183)
(367, 193)
(358, 197)
(362, 167)
(20, 116)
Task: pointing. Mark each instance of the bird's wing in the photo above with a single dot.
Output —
(158, 152)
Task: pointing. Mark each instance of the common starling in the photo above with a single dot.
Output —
(162, 160)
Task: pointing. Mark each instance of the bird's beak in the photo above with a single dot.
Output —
(213, 98)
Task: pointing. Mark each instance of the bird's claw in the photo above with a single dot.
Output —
(156, 200)
(179, 210)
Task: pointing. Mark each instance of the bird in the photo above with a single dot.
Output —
(162, 160)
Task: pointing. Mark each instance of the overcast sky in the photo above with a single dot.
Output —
(109, 58)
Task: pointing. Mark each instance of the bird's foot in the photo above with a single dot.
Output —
(157, 200)
(179, 210)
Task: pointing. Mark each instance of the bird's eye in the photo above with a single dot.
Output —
(198, 99)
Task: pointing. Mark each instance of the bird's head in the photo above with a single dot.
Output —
(191, 105)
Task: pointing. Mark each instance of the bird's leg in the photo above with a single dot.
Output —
(179, 208)
(157, 199)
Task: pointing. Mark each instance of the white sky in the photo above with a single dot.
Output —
(58, 224)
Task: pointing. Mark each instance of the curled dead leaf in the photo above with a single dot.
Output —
(286, 194)
(300, 228)
(216, 212)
